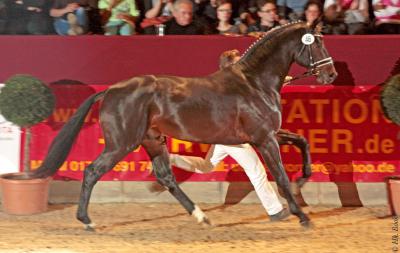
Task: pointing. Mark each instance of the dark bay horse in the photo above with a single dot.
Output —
(238, 104)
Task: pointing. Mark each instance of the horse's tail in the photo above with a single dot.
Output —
(62, 143)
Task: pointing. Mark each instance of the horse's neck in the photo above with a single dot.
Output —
(268, 70)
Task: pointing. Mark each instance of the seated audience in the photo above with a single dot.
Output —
(224, 16)
(194, 17)
(156, 8)
(268, 17)
(70, 17)
(207, 11)
(347, 17)
(3, 16)
(155, 12)
(312, 11)
(28, 17)
(94, 16)
(182, 22)
(123, 14)
(387, 16)
(291, 10)
(244, 12)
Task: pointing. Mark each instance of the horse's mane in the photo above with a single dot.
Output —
(270, 37)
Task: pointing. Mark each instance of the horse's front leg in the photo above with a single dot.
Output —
(269, 150)
(285, 137)
(161, 168)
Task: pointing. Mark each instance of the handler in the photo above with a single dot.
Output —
(244, 154)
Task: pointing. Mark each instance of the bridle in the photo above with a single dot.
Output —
(313, 68)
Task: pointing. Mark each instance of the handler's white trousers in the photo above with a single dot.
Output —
(247, 158)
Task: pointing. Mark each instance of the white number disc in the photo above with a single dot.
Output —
(308, 39)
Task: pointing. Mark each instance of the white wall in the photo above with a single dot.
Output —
(10, 141)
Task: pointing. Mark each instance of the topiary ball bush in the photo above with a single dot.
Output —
(26, 100)
(390, 99)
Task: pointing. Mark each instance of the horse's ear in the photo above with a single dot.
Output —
(317, 25)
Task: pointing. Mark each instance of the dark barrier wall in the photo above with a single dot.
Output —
(361, 60)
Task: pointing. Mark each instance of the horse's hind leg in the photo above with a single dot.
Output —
(161, 168)
(286, 137)
(105, 162)
(119, 141)
(269, 150)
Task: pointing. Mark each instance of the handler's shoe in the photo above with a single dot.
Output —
(282, 215)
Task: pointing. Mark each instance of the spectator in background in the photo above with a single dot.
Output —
(247, 13)
(208, 8)
(207, 15)
(291, 10)
(3, 16)
(70, 17)
(224, 16)
(244, 13)
(122, 18)
(28, 17)
(268, 17)
(208, 11)
(387, 16)
(155, 8)
(94, 17)
(182, 22)
(348, 16)
(155, 12)
(312, 11)
(198, 5)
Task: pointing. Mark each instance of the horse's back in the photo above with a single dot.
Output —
(195, 109)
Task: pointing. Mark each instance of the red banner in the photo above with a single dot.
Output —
(350, 140)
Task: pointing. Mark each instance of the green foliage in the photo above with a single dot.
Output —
(390, 99)
(25, 100)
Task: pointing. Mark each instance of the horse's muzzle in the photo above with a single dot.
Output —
(326, 76)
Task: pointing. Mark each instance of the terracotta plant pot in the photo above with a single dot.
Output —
(393, 186)
(23, 195)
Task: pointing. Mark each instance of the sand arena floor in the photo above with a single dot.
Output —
(167, 228)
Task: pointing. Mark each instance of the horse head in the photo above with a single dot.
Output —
(314, 56)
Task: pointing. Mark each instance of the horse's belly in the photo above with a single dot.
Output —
(217, 132)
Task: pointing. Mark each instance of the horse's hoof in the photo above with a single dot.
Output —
(200, 216)
(90, 227)
(206, 222)
(307, 224)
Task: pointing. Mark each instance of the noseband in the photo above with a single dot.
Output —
(313, 67)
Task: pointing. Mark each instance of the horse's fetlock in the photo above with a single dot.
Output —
(83, 218)
(307, 172)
